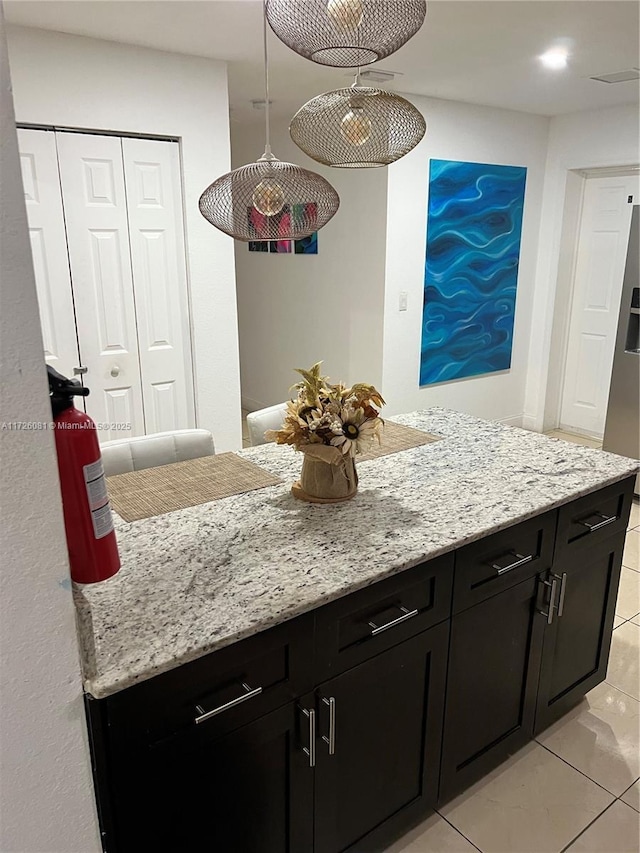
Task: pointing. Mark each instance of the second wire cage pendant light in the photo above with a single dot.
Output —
(269, 200)
(357, 127)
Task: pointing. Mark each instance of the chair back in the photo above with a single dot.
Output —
(150, 451)
(262, 420)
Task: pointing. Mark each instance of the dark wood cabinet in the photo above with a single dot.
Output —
(336, 731)
(384, 718)
(494, 658)
(576, 644)
(247, 791)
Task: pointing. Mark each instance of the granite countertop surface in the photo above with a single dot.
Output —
(198, 579)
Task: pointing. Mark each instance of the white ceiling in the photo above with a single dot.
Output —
(478, 51)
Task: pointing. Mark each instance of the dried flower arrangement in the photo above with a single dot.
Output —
(323, 413)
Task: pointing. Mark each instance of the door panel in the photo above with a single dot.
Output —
(97, 230)
(248, 791)
(49, 248)
(577, 643)
(491, 691)
(154, 199)
(388, 717)
(602, 246)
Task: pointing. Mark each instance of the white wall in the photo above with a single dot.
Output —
(583, 140)
(85, 83)
(46, 793)
(457, 131)
(294, 311)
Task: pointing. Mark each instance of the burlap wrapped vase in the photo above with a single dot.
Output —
(327, 476)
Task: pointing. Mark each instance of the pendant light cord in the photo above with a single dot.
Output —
(268, 155)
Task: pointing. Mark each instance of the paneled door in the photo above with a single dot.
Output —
(43, 200)
(156, 233)
(95, 207)
(602, 248)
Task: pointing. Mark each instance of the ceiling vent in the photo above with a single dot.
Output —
(380, 77)
(618, 76)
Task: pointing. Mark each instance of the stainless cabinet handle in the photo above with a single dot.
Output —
(563, 589)
(406, 614)
(331, 739)
(553, 584)
(605, 519)
(311, 750)
(519, 561)
(248, 694)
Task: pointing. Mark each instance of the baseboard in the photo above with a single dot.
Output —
(514, 420)
(249, 405)
(531, 423)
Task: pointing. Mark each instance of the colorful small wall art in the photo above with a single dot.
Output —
(471, 272)
(271, 226)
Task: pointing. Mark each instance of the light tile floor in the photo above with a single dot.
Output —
(576, 788)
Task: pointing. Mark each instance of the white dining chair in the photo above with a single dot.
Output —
(149, 451)
(262, 420)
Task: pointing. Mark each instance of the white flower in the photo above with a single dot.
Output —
(357, 432)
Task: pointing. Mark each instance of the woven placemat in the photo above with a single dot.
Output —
(397, 437)
(154, 491)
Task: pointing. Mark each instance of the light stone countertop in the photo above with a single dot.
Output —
(198, 579)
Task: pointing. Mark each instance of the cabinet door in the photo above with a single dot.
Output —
(494, 661)
(385, 740)
(249, 791)
(576, 644)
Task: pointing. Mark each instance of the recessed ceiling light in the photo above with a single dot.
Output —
(555, 59)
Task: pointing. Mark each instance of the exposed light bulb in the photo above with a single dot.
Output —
(268, 197)
(346, 15)
(555, 59)
(356, 127)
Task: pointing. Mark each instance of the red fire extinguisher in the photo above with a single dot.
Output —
(91, 539)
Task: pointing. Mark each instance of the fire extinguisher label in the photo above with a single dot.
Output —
(98, 499)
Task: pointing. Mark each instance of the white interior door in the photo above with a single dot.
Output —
(154, 200)
(600, 259)
(93, 192)
(43, 199)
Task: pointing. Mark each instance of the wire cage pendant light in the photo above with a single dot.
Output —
(357, 128)
(269, 200)
(345, 33)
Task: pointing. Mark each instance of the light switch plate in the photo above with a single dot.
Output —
(402, 302)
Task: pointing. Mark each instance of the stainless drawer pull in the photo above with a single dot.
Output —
(311, 749)
(406, 614)
(519, 561)
(605, 519)
(553, 584)
(331, 739)
(248, 694)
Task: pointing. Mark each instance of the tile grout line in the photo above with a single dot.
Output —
(588, 826)
(455, 828)
(577, 769)
(616, 686)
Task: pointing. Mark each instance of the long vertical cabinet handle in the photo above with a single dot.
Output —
(310, 714)
(553, 584)
(330, 740)
(563, 589)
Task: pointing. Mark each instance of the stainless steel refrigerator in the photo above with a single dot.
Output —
(622, 427)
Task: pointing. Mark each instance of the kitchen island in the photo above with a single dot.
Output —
(287, 658)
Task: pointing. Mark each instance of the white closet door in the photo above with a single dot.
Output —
(600, 259)
(97, 231)
(49, 248)
(154, 200)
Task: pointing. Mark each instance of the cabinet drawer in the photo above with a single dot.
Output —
(502, 560)
(365, 623)
(595, 517)
(220, 691)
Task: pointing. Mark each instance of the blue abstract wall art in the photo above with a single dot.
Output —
(474, 227)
